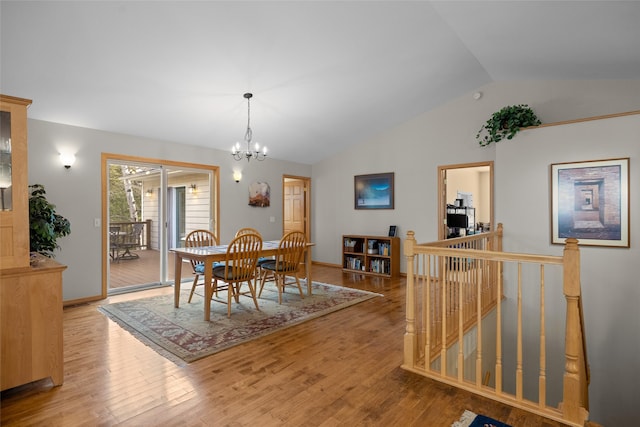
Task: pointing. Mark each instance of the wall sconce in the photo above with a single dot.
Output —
(193, 189)
(149, 192)
(67, 159)
(237, 176)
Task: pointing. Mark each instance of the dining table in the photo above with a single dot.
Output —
(218, 253)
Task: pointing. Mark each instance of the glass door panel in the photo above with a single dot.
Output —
(5, 161)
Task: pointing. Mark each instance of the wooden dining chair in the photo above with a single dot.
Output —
(198, 239)
(248, 230)
(240, 267)
(286, 263)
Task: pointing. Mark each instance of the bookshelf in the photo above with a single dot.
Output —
(374, 255)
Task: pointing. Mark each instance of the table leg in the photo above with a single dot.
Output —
(307, 266)
(177, 278)
(208, 268)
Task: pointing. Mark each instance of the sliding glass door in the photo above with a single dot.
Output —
(151, 206)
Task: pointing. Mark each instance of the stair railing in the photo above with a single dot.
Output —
(454, 285)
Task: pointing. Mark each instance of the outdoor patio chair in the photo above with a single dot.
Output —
(124, 242)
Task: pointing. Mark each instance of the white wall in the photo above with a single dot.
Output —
(414, 150)
(76, 192)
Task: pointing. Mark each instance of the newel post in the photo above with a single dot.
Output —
(410, 345)
(574, 380)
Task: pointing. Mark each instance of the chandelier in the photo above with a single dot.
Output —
(249, 153)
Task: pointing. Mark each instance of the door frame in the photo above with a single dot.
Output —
(106, 158)
(442, 193)
(307, 202)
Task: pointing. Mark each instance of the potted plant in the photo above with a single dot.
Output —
(46, 226)
(505, 123)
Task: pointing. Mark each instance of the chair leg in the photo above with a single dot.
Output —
(279, 279)
(263, 279)
(236, 292)
(193, 288)
(299, 287)
(230, 292)
(253, 294)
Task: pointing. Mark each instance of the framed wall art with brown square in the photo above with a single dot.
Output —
(590, 202)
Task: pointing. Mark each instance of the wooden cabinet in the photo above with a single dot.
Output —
(31, 319)
(30, 296)
(14, 187)
(375, 255)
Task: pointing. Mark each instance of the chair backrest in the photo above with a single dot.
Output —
(242, 257)
(132, 238)
(198, 239)
(136, 232)
(247, 230)
(290, 251)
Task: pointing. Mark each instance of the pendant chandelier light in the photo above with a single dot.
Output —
(249, 153)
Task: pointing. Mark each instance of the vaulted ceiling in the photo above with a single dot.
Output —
(324, 74)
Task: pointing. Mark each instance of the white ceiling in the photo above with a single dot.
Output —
(324, 74)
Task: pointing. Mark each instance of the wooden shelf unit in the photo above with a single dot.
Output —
(374, 255)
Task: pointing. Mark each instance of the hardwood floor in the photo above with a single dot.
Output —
(340, 369)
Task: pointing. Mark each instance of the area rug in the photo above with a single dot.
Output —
(470, 419)
(182, 335)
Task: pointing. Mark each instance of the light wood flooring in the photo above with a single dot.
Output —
(338, 370)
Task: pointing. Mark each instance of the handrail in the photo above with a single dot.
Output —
(455, 284)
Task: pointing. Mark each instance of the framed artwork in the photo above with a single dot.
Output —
(393, 230)
(259, 194)
(374, 191)
(590, 202)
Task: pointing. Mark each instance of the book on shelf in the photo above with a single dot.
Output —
(384, 249)
(353, 263)
(379, 266)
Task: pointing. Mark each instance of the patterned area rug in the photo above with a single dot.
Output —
(470, 419)
(182, 335)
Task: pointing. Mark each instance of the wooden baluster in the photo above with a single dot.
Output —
(460, 329)
(428, 312)
(409, 335)
(542, 377)
(519, 338)
(444, 316)
(479, 328)
(499, 334)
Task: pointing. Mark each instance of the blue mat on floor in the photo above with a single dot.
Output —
(470, 419)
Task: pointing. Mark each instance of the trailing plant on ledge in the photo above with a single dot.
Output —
(45, 225)
(505, 123)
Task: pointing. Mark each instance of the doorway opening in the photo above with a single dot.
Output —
(468, 185)
(148, 207)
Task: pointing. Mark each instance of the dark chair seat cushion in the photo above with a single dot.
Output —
(218, 273)
(200, 267)
(271, 265)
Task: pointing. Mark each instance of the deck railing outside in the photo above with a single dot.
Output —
(459, 321)
(127, 228)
